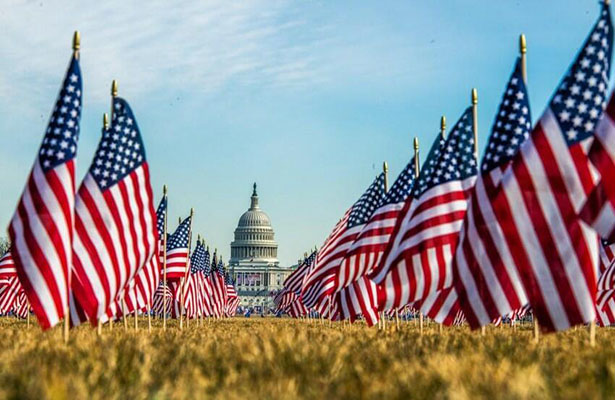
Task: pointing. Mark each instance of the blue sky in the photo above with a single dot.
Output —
(307, 98)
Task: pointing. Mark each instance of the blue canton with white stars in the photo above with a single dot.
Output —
(60, 141)
(206, 263)
(121, 149)
(428, 165)
(197, 260)
(456, 161)
(363, 209)
(160, 213)
(402, 187)
(220, 268)
(581, 97)
(179, 238)
(512, 126)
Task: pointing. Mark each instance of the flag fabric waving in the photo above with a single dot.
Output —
(486, 280)
(294, 281)
(547, 184)
(418, 260)
(115, 232)
(319, 282)
(41, 229)
(367, 249)
(361, 297)
(147, 279)
(7, 267)
(177, 250)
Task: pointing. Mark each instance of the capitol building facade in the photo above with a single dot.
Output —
(254, 258)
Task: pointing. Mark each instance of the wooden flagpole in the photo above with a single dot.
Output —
(76, 47)
(475, 132)
(417, 170)
(443, 134)
(105, 127)
(523, 55)
(124, 316)
(164, 263)
(385, 170)
(181, 300)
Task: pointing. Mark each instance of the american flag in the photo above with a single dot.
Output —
(142, 288)
(367, 249)
(148, 278)
(361, 297)
(548, 183)
(487, 283)
(7, 267)
(319, 282)
(442, 306)
(21, 307)
(599, 209)
(177, 250)
(115, 230)
(297, 309)
(417, 262)
(162, 293)
(42, 227)
(294, 281)
(231, 296)
(8, 293)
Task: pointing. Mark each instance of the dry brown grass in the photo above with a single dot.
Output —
(287, 359)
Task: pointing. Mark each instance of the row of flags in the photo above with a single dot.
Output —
(100, 251)
(529, 228)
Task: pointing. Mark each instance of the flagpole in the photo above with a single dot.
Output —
(475, 131)
(105, 127)
(443, 127)
(65, 332)
(523, 51)
(523, 55)
(417, 170)
(164, 262)
(181, 309)
(443, 135)
(385, 171)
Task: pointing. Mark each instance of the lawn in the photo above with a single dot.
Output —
(262, 358)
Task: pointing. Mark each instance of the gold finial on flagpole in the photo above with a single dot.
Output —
(607, 2)
(443, 127)
(523, 51)
(191, 212)
(385, 170)
(76, 43)
(416, 156)
(106, 121)
(475, 121)
(114, 88)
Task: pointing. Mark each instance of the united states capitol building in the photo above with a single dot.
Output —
(254, 258)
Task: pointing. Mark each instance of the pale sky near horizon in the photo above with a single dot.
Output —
(305, 98)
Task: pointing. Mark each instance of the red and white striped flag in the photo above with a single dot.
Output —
(546, 186)
(8, 293)
(294, 281)
(361, 297)
(177, 250)
(115, 222)
(7, 267)
(417, 262)
(486, 279)
(41, 230)
(320, 282)
(367, 249)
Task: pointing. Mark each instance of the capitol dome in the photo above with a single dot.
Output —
(254, 236)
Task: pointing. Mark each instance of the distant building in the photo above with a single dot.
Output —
(254, 258)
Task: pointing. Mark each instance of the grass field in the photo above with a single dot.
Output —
(288, 359)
